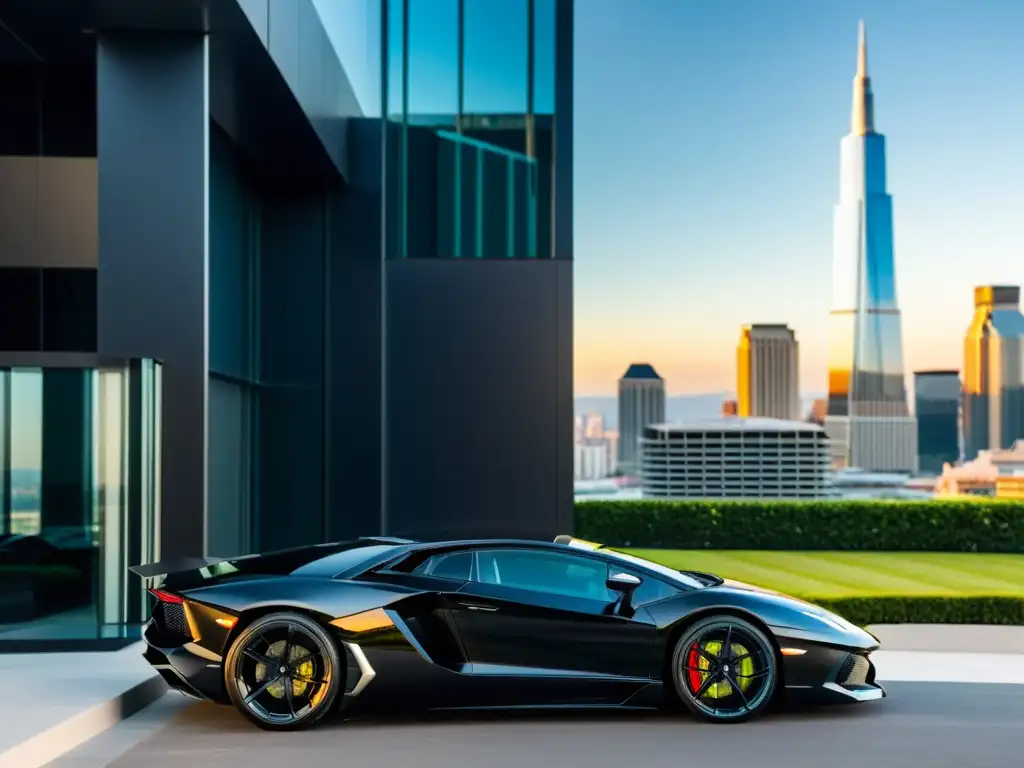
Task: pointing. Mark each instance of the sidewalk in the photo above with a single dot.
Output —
(76, 697)
(950, 638)
(84, 694)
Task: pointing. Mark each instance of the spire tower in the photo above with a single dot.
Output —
(868, 417)
(863, 119)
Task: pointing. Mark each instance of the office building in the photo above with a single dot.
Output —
(993, 407)
(255, 256)
(592, 459)
(641, 402)
(768, 372)
(937, 408)
(735, 458)
(868, 418)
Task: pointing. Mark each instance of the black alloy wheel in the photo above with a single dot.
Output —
(724, 669)
(284, 672)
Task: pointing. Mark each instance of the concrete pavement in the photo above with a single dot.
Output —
(99, 690)
(920, 725)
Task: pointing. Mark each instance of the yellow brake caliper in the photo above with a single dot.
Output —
(744, 669)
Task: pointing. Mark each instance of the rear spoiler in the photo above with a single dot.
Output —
(174, 565)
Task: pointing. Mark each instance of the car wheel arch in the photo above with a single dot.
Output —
(248, 616)
(676, 631)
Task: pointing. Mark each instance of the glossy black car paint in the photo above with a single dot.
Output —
(437, 642)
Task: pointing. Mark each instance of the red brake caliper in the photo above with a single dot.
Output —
(692, 659)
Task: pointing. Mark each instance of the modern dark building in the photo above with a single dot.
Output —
(274, 273)
(937, 397)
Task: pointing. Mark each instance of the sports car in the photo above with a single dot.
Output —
(386, 624)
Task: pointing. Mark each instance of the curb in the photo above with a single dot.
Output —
(43, 748)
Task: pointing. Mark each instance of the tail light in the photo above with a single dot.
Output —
(166, 597)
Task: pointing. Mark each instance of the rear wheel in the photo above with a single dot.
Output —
(284, 672)
(724, 669)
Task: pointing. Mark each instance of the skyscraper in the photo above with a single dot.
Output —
(994, 370)
(767, 372)
(868, 418)
(641, 402)
(937, 408)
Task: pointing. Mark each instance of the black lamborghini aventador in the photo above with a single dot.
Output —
(387, 624)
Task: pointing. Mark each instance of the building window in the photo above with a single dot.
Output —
(469, 144)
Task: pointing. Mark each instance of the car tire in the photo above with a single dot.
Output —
(292, 700)
(746, 675)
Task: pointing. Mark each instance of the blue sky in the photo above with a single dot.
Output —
(707, 160)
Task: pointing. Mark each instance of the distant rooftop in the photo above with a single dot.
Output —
(997, 295)
(641, 371)
(738, 424)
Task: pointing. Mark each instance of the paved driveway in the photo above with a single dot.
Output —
(931, 725)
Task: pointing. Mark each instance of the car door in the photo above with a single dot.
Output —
(542, 611)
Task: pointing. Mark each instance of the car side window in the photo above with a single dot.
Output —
(540, 571)
(651, 590)
(450, 565)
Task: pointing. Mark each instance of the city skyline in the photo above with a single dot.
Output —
(698, 213)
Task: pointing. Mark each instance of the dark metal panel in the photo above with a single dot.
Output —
(564, 395)
(477, 425)
(355, 342)
(153, 135)
(19, 211)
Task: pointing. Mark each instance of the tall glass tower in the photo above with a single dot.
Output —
(868, 419)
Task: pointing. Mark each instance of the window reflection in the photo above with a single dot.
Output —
(497, 57)
(26, 451)
(434, 58)
(470, 96)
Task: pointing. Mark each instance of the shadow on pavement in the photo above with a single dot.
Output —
(224, 719)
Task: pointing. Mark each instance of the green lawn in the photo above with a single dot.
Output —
(832, 575)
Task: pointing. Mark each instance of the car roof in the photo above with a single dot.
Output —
(380, 550)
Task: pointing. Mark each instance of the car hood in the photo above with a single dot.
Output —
(781, 610)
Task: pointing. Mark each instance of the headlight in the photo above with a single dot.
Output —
(835, 623)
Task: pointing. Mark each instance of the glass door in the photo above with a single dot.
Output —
(79, 475)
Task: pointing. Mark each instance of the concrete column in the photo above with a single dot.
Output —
(153, 147)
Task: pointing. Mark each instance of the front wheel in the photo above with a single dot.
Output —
(284, 672)
(724, 669)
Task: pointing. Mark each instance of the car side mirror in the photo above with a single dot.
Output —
(625, 584)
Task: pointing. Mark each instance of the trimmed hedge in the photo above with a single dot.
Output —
(938, 525)
(926, 610)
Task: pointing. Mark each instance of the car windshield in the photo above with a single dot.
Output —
(680, 577)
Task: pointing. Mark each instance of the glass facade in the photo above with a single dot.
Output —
(866, 356)
(266, 358)
(468, 96)
(79, 501)
(937, 406)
